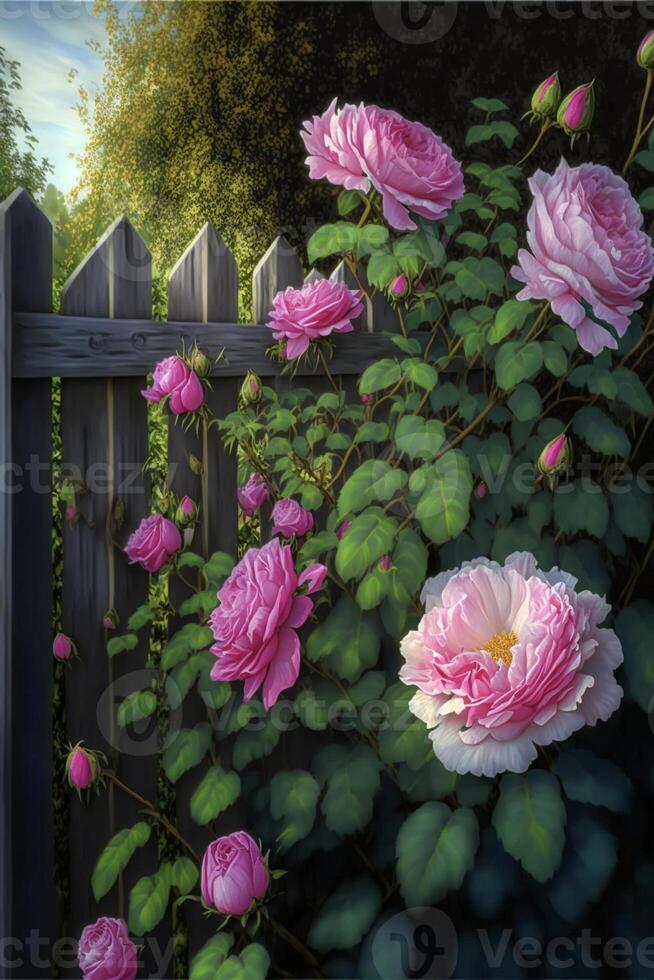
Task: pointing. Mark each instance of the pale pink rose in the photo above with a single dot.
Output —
(587, 246)
(316, 310)
(234, 874)
(252, 495)
(173, 377)
(153, 542)
(506, 658)
(106, 952)
(405, 161)
(289, 518)
(254, 625)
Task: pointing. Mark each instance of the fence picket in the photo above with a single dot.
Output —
(278, 268)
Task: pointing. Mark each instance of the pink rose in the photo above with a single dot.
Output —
(290, 519)
(106, 952)
(254, 625)
(81, 768)
(506, 658)
(587, 247)
(153, 542)
(342, 528)
(62, 647)
(405, 161)
(173, 377)
(252, 495)
(234, 874)
(314, 311)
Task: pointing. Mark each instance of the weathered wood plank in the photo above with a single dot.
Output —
(29, 588)
(62, 346)
(343, 273)
(277, 269)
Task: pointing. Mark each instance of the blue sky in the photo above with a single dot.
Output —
(49, 38)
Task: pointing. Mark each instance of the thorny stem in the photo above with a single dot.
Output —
(640, 132)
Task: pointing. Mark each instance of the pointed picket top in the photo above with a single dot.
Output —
(313, 276)
(343, 273)
(115, 278)
(31, 249)
(276, 270)
(203, 285)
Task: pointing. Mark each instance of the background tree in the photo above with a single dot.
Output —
(19, 164)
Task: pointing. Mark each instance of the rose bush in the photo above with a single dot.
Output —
(396, 705)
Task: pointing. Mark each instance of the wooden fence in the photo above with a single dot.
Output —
(102, 344)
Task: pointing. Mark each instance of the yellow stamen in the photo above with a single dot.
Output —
(499, 647)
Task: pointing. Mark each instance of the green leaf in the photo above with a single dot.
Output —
(217, 791)
(382, 374)
(403, 737)
(529, 819)
(419, 438)
(293, 799)
(187, 640)
(581, 506)
(116, 856)
(633, 511)
(420, 373)
(373, 588)
(373, 481)
(490, 105)
(316, 546)
(185, 749)
(330, 239)
(588, 779)
(443, 509)
(646, 199)
(136, 706)
(525, 402)
(255, 744)
(510, 316)
(410, 560)
(184, 875)
(505, 131)
(346, 916)
(142, 615)
(217, 569)
(382, 268)
(148, 901)
(351, 777)
(600, 433)
(632, 391)
(367, 539)
(372, 237)
(431, 782)
(436, 848)
(118, 644)
(516, 362)
(472, 240)
(347, 201)
(635, 627)
(478, 277)
(555, 358)
(206, 964)
(371, 432)
(200, 603)
(347, 639)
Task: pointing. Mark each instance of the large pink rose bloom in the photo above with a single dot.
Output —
(106, 952)
(586, 246)
(173, 377)
(317, 309)
(233, 874)
(153, 542)
(405, 161)
(254, 625)
(507, 658)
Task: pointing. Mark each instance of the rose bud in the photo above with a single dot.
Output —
(290, 519)
(110, 619)
(342, 528)
(200, 363)
(385, 563)
(252, 494)
(105, 951)
(251, 389)
(555, 457)
(399, 287)
(196, 466)
(72, 515)
(645, 53)
(81, 768)
(366, 399)
(576, 112)
(62, 647)
(187, 512)
(545, 100)
(481, 490)
(234, 874)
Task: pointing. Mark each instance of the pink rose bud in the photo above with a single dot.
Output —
(252, 495)
(187, 512)
(420, 286)
(290, 519)
(62, 647)
(481, 490)
(251, 389)
(153, 542)
(385, 563)
(367, 399)
(110, 619)
(72, 515)
(105, 951)
(172, 378)
(575, 114)
(195, 465)
(234, 874)
(81, 768)
(399, 286)
(200, 363)
(342, 528)
(555, 457)
(645, 53)
(545, 100)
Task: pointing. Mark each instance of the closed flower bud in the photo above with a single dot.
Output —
(110, 619)
(399, 287)
(481, 490)
(200, 363)
(187, 512)
(385, 563)
(81, 768)
(555, 457)
(62, 647)
(119, 513)
(645, 53)
(576, 112)
(342, 528)
(366, 399)
(251, 389)
(545, 100)
(195, 465)
(72, 515)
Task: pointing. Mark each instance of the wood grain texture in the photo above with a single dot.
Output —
(277, 269)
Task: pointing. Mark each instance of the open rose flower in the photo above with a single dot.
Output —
(173, 378)
(106, 952)
(588, 251)
(316, 310)
(254, 625)
(252, 495)
(153, 542)
(408, 164)
(506, 658)
(234, 874)
(290, 519)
